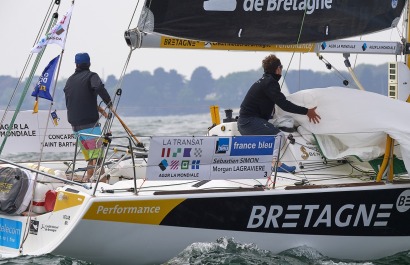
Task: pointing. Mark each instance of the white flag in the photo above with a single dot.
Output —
(56, 35)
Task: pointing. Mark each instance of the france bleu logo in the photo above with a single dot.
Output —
(222, 146)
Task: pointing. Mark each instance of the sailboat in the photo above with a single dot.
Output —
(348, 198)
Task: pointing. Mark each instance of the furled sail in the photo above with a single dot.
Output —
(269, 21)
(348, 126)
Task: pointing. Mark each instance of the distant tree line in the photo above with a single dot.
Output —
(170, 93)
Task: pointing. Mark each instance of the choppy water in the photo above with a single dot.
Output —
(228, 252)
(223, 251)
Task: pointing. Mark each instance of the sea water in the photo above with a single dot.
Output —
(222, 251)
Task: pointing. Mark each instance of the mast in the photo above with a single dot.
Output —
(407, 57)
(388, 158)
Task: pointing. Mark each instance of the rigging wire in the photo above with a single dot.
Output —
(352, 73)
(53, 96)
(323, 164)
(356, 56)
(118, 94)
(106, 130)
(299, 75)
(27, 63)
(118, 90)
(297, 43)
(133, 14)
(36, 63)
(329, 66)
(28, 83)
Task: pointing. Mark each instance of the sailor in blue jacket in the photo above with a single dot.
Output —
(81, 92)
(259, 103)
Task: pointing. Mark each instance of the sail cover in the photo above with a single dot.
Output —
(354, 122)
(269, 21)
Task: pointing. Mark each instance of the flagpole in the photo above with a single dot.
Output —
(40, 48)
(53, 93)
(45, 131)
(54, 89)
(51, 106)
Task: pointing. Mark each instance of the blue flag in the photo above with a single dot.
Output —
(43, 86)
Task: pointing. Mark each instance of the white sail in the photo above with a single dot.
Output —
(354, 122)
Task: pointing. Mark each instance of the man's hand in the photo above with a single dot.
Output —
(313, 115)
(102, 111)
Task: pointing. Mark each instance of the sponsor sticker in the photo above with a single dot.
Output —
(205, 158)
(10, 233)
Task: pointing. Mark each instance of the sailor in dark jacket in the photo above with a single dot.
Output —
(81, 92)
(259, 103)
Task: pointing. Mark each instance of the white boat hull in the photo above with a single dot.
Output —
(356, 222)
(334, 206)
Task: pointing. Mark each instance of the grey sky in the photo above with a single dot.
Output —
(97, 27)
